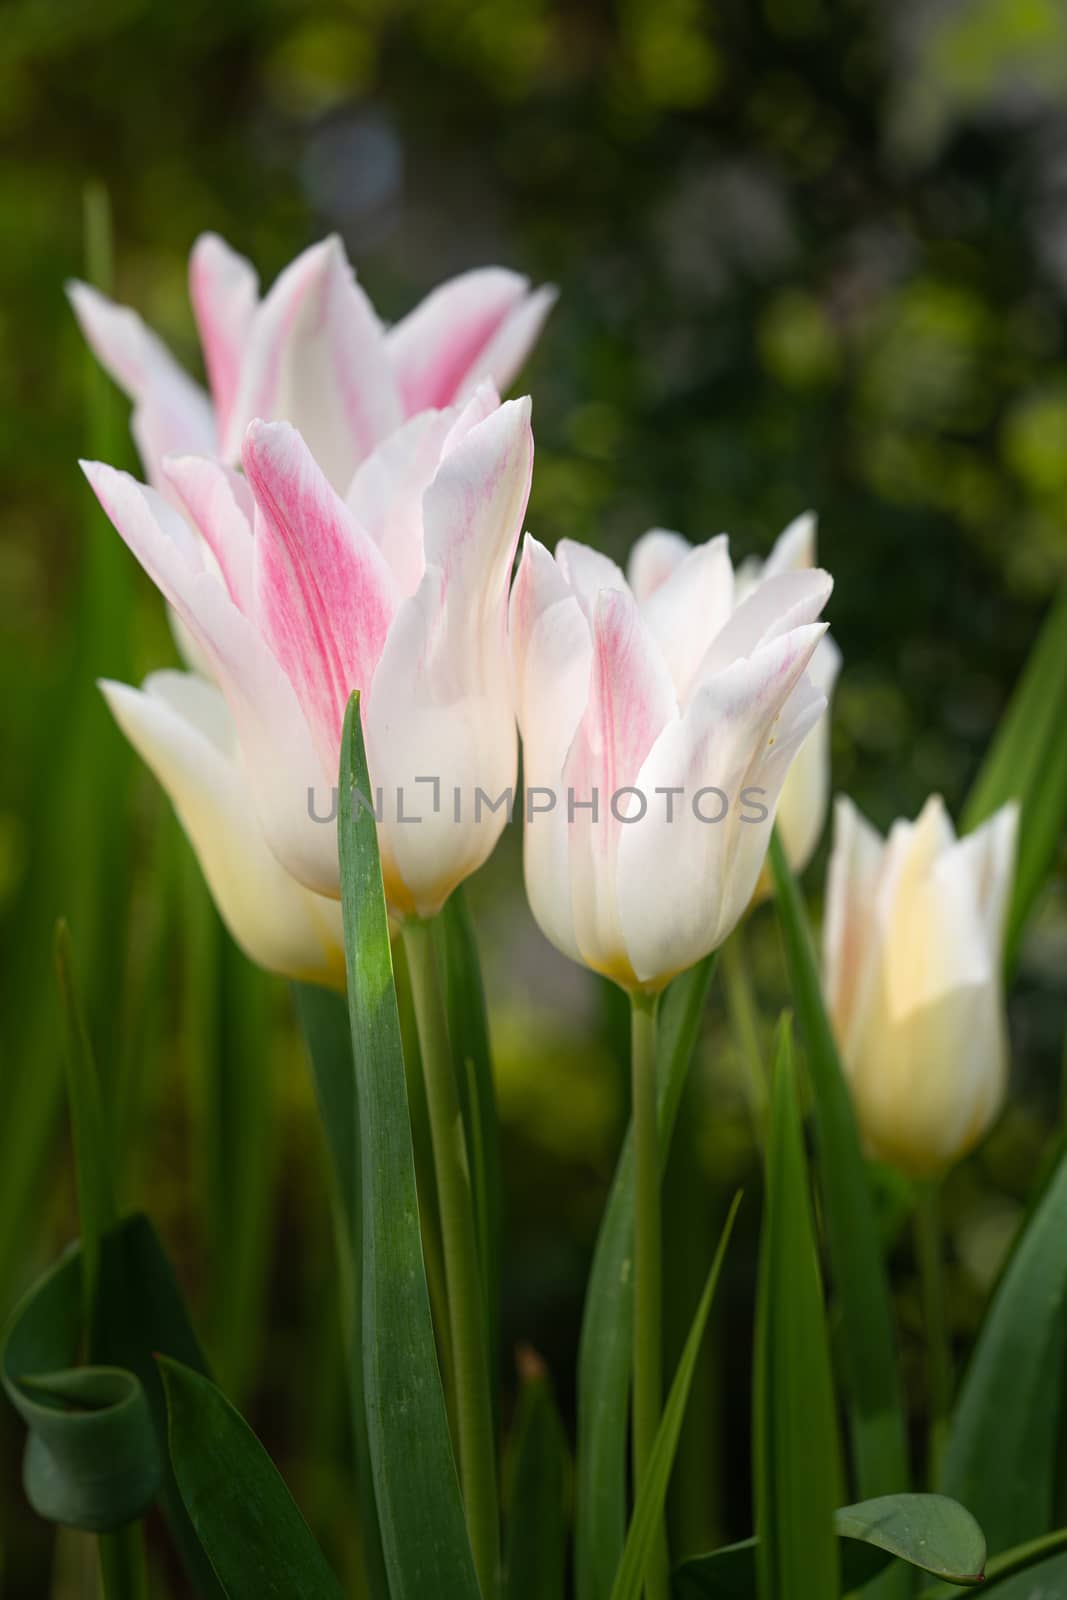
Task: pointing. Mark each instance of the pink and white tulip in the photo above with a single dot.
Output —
(312, 352)
(637, 689)
(296, 597)
(912, 968)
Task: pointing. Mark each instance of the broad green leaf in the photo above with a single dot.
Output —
(795, 1447)
(327, 1034)
(97, 1450)
(92, 1159)
(605, 1350)
(1043, 1558)
(420, 1514)
(254, 1534)
(536, 1470)
(648, 1509)
(468, 1030)
(859, 1283)
(1001, 1457)
(927, 1531)
(1027, 761)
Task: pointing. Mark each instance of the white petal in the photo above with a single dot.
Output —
(181, 727)
(172, 414)
(652, 560)
(687, 610)
(224, 290)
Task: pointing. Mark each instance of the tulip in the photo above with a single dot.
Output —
(628, 692)
(182, 729)
(805, 797)
(296, 597)
(658, 724)
(312, 352)
(913, 954)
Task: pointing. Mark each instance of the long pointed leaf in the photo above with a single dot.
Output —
(796, 1462)
(1001, 1458)
(257, 1540)
(420, 1514)
(859, 1282)
(604, 1354)
(648, 1510)
(536, 1545)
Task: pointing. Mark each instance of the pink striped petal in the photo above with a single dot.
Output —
(462, 332)
(172, 414)
(631, 700)
(271, 729)
(324, 595)
(316, 357)
(219, 502)
(224, 290)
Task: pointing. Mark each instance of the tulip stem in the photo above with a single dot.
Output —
(930, 1254)
(122, 1565)
(463, 1284)
(648, 1270)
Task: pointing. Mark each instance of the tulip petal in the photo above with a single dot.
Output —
(324, 595)
(631, 700)
(687, 610)
(386, 494)
(794, 548)
(653, 558)
(806, 791)
(552, 652)
(589, 572)
(442, 707)
(687, 869)
(849, 950)
(224, 290)
(989, 855)
(219, 502)
(316, 357)
(182, 729)
(283, 768)
(172, 414)
(478, 325)
(770, 611)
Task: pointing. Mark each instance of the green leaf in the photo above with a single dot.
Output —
(1027, 761)
(648, 1510)
(258, 1542)
(859, 1283)
(536, 1471)
(795, 1447)
(605, 1350)
(468, 1032)
(92, 1159)
(1001, 1457)
(324, 1021)
(97, 1451)
(927, 1531)
(1043, 1560)
(420, 1514)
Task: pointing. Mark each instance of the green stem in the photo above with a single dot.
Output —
(474, 1411)
(648, 1270)
(122, 1569)
(745, 1024)
(929, 1250)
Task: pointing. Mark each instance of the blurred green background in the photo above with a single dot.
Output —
(809, 254)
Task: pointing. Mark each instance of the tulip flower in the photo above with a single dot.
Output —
(182, 729)
(662, 720)
(913, 955)
(312, 352)
(658, 725)
(296, 597)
